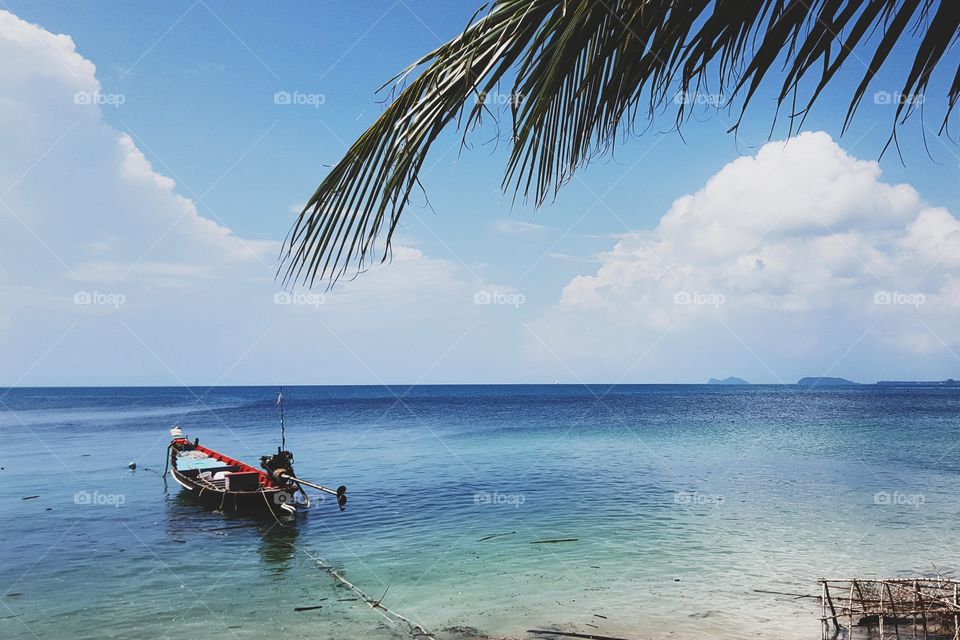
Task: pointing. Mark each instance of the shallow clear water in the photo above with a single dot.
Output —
(683, 501)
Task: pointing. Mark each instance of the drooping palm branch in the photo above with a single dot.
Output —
(582, 72)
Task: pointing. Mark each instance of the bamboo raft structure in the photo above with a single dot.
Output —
(925, 608)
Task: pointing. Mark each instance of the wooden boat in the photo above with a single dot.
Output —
(226, 483)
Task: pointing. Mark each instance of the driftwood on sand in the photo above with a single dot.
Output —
(570, 634)
(495, 535)
(554, 540)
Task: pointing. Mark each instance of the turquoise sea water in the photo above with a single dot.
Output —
(683, 500)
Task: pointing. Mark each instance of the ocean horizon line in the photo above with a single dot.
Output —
(277, 386)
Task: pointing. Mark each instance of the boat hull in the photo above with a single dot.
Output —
(266, 501)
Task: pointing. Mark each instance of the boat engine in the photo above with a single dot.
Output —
(278, 465)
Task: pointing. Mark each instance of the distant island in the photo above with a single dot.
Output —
(730, 380)
(825, 381)
(926, 383)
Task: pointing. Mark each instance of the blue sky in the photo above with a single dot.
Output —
(198, 80)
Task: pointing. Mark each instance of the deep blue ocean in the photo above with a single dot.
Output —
(679, 503)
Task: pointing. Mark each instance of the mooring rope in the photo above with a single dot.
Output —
(374, 604)
(267, 502)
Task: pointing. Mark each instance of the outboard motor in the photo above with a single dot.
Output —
(278, 465)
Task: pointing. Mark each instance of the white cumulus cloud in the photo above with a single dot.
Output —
(110, 275)
(783, 252)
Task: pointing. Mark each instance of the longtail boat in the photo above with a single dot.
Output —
(229, 484)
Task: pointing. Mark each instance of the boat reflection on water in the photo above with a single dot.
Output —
(188, 518)
(278, 544)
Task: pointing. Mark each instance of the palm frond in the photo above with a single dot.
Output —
(582, 72)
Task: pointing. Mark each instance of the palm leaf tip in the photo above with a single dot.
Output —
(585, 69)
